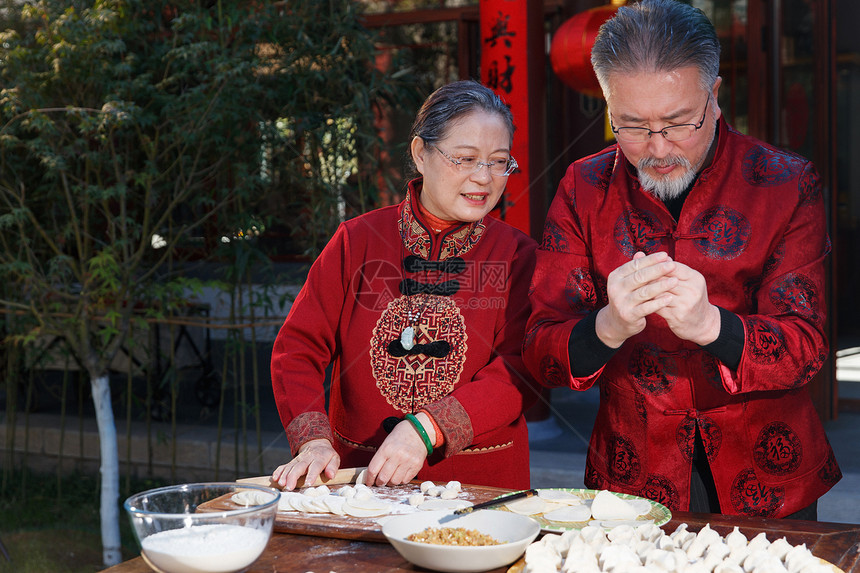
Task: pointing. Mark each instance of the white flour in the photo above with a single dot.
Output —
(218, 548)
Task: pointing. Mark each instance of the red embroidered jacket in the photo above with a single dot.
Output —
(754, 226)
(467, 295)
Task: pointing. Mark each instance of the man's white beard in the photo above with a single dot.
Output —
(668, 187)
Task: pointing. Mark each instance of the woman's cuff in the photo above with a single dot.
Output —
(454, 423)
(306, 427)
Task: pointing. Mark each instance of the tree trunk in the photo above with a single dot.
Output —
(111, 549)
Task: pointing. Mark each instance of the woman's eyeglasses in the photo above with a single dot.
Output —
(680, 132)
(468, 164)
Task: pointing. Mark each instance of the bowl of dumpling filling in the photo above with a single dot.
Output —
(477, 541)
(203, 527)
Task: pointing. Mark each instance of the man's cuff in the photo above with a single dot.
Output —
(587, 353)
(729, 345)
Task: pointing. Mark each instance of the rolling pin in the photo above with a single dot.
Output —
(343, 475)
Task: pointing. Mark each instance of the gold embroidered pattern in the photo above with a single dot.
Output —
(487, 449)
(410, 382)
(462, 241)
(417, 241)
(355, 445)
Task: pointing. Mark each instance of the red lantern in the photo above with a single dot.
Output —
(570, 51)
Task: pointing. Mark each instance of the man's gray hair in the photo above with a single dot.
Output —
(656, 36)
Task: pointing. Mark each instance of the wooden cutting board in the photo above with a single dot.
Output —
(347, 527)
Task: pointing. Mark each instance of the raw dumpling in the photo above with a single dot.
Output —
(649, 532)
(736, 538)
(618, 557)
(539, 555)
(435, 491)
(608, 506)
(760, 541)
(621, 534)
(362, 477)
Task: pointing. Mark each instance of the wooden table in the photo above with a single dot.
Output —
(834, 542)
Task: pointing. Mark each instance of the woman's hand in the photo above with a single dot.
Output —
(401, 455)
(315, 457)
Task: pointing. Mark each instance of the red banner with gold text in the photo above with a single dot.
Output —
(504, 69)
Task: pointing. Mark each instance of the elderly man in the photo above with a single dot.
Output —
(681, 271)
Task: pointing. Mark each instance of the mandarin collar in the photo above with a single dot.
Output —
(419, 241)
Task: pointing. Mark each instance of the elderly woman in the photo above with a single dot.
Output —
(420, 310)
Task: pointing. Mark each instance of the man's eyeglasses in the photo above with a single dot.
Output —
(468, 164)
(678, 132)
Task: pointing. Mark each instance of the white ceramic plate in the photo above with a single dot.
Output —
(659, 513)
(516, 531)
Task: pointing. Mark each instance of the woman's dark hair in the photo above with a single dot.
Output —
(453, 101)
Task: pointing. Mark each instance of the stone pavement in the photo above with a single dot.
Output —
(558, 448)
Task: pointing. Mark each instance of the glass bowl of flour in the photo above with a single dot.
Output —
(192, 528)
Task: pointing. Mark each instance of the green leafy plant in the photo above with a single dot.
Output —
(136, 135)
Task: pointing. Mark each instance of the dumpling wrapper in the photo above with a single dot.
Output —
(353, 511)
(642, 506)
(435, 503)
(334, 503)
(569, 514)
(609, 507)
(612, 523)
(314, 505)
(285, 503)
(560, 496)
(250, 497)
(373, 503)
(528, 506)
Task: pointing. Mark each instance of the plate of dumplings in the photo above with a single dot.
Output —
(565, 509)
(648, 548)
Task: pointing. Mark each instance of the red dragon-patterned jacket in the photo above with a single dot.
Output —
(754, 226)
(469, 289)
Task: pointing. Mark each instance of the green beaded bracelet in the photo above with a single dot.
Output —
(421, 432)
